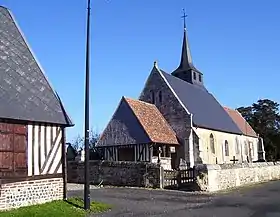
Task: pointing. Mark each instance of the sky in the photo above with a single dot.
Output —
(234, 43)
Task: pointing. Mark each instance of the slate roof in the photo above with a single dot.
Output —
(25, 92)
(243, 125)
(186, 62)
(137, 122)
(206, 110)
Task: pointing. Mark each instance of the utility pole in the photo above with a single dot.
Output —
(86, 186)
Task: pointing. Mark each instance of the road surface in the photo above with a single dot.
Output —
(254, 201)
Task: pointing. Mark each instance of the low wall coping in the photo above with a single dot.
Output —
(207, 167)
(113, 163)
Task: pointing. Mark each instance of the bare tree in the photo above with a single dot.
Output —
(78, 142)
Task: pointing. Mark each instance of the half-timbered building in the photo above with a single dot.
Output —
(32, 124)
(138, 132)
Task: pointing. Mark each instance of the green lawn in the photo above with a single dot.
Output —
(71, 207)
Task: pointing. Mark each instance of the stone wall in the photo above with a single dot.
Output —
(115, 173)
(171, 109)
(17, 194)
(224, 176)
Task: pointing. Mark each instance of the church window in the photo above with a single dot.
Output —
(199, 77)
(152, 97)
(212, 143)
(237, 146)
(160, 97)
(246, 148)
(194, 75)
(226, 148)
(251, 148)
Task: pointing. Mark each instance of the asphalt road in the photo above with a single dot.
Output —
(255, 201)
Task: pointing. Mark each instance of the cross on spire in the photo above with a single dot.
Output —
(186, 70)
(184, 17)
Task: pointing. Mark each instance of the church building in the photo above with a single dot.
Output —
(206, 131)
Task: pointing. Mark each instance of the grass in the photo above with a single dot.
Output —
(73, 207)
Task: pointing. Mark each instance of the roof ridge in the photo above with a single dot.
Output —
(185, 82)
(1, 6)
(138, 100)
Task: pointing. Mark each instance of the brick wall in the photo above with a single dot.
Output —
(17, 194)
(138, 174)
(219, 177)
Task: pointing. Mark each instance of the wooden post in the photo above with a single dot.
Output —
(159, 154)
(64, 165)
(151, 153)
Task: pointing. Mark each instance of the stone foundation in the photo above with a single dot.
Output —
(116, 173)
(18, 194)
(215, 177)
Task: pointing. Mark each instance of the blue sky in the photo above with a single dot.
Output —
(234, 43)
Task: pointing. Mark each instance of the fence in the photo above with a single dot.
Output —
(178, 178)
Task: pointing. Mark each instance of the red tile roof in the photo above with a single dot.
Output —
(243, 125)
(153, 122)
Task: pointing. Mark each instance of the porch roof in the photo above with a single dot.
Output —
(137, 122)
(153, 122)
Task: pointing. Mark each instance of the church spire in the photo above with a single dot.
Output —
(186, 70)
(186, 58)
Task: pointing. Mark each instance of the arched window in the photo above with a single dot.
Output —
(246, 148)
(212, 143)
(237, 150)
(251, 149)
(226, 148)
(194, 75)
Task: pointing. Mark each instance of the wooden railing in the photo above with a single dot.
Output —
(177, 178)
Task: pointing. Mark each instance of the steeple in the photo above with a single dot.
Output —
(186, 70)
